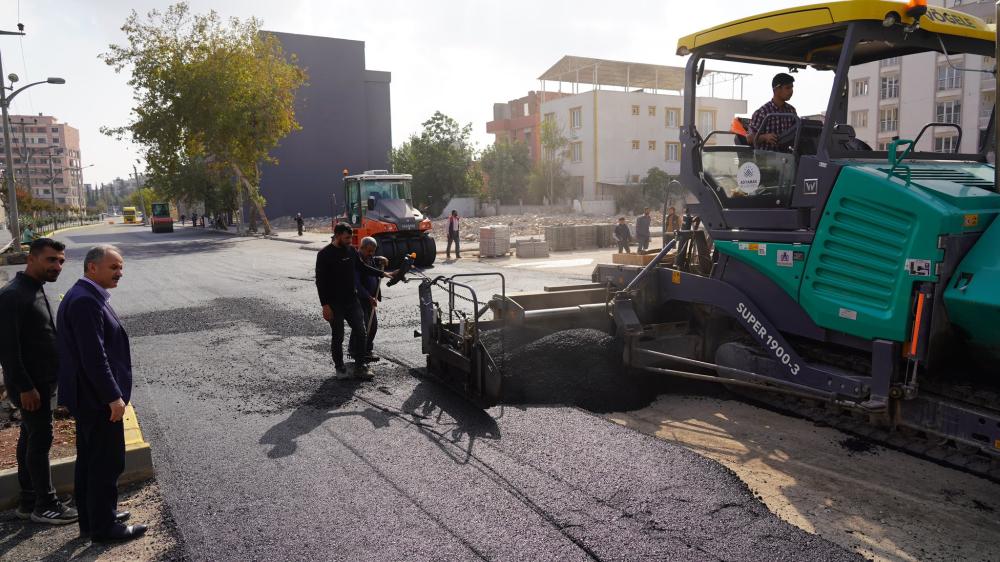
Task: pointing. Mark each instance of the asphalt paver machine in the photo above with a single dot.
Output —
(862, 279)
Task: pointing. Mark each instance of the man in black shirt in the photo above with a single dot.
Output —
(29, 359)
(336, 268)
(642, 229)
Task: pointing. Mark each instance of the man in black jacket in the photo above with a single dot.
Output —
(29, 359)
(623, 236)
(642, 230)
(336, 268)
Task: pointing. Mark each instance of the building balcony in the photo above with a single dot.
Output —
(499, 125)
(988, 84)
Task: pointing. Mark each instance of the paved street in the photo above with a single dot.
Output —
(261, 454)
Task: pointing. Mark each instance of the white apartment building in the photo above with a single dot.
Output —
(896, 97)
(627, 120)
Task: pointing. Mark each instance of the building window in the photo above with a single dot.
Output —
(706, 121)
(550, 116)
(945, 144)
(55, 129)
(651, 145)
(576, 117)
(891, 61)
(888, 119)
(576, 151)
(635, 145)
(948, 77)
(671, 116)
(986, 102)
(652, 111)
(859, 119)
(859, 87)
(673, 151)
(888, 88)
(635, 110)
(949, 112)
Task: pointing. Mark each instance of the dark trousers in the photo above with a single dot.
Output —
(300, 230)
(33, 446)
(452, 237)
(349, 312)
(623, 246)
(643, 242)
(100, 460)
(371, 324)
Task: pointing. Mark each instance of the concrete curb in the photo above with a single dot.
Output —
(68, 228)
(138, 466)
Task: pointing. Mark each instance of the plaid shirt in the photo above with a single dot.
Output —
(776, 125)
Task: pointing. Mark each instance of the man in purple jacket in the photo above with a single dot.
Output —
(95, 384)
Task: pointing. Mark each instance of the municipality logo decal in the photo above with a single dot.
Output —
(748, 176)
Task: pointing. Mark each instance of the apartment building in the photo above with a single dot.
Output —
(621, 119)
(46, 155)
(897, 97)
(519, 120)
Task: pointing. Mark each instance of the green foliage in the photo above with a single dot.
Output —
(548, 178)
(507, 165)
(439, 158)
(143, 199)
(208, 90)
(654, 190)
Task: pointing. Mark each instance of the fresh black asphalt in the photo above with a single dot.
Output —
(262, 455)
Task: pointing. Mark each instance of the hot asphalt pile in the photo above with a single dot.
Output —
(578, 367)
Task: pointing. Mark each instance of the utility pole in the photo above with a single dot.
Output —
(52, 190)
(138, 189)
(27, 163)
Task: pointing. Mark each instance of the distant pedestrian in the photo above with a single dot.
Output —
(671, 224)
(453, 235)
(95, 384)
(642, 230)
(369, 292)
(27, 235)
(299, 222)
(183, 219)
(202, 221)
(623, 236)
(337, 267)
(30, 366)
(194, 219)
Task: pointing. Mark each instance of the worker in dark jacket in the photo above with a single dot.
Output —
(623, 236)
(299, 222)
(337, 266)
(29, 361)
(95, 385)
(642, 230)
(369, 292)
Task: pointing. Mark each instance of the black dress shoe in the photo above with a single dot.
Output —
(121, 533)
(120, 516)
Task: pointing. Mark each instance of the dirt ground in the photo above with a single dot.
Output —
(881, 503)
(63, 441)
(21, 541)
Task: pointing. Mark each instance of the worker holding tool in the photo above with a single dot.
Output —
(337, 266)
(370, 293)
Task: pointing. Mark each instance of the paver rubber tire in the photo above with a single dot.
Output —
(428, 252)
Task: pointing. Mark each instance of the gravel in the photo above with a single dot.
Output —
(578, 367)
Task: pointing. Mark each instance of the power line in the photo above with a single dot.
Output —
(24, 64)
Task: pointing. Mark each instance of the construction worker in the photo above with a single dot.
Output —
(671, 223)
(369, 292)
(452, 235)
(766, 132)
(299, 222)
(642, 229)
(337, 266)
(623, 236)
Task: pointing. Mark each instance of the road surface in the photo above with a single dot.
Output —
(261, 454)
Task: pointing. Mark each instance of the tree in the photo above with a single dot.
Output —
(143, 199)
(507, 165)
(205, 90)
(658, 187)
(554, 145)
(440, 160)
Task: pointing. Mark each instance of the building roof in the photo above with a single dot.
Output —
(584, 70)
(809, 34)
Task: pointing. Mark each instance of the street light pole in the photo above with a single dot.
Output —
(8, 177)
(138, 189)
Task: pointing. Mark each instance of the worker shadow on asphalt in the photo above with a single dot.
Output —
(14, 532)
(449, 422)
(321, 406)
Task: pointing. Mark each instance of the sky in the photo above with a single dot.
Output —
(453, 56)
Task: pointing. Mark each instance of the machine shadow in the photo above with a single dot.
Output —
(447, 420)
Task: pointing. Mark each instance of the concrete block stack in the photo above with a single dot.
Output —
(605, 235)
(494, 241)
(560, 238)
(532, 248)
(584, 237)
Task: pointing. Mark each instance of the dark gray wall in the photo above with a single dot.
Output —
(345, 119)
